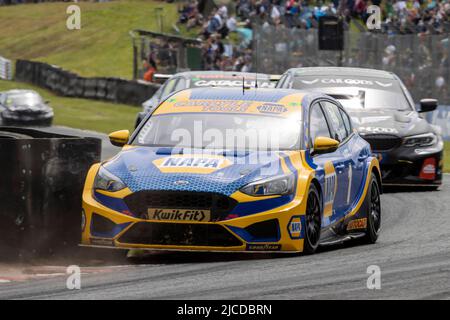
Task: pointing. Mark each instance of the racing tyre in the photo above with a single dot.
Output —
(313, 221)
(373, 206)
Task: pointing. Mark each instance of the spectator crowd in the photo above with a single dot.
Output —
(218, 27)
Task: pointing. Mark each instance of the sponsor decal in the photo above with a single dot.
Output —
(310, 81)
(389, 84)
(181, 183)
(216, 105)
(263, 247)
(330, 188)
(295, 227)
(357, 224)
(194, 162)
(231, 83)
(377, 130)
(271, 108)
(178, 215)
(428, 171)
(102, 242)
(352, 82)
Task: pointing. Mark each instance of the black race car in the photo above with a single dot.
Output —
(409, 148)
(24, 107)
(203, 79)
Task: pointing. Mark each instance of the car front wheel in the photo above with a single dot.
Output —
(373, 211)
(312, 221)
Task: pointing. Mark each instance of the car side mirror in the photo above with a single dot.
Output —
(325, 145)
(119, 138)
(427, 105)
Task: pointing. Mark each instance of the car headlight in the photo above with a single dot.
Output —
(105, 180)
(280, 185)
(421, 140)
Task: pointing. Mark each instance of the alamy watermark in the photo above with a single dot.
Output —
(73, 282)
(73, 21)
(374, 279)
(374, 20)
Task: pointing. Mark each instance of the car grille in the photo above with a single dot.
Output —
(382, 142)
(219, 205)
(179, 234)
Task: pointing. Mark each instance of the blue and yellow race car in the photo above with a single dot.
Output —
(253, 170)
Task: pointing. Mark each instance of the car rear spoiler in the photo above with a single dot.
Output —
(161, 77)
(274, 77)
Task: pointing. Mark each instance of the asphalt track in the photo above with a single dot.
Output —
(413, 254)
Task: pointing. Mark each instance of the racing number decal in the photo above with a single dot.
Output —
(350, 176)
(330, 188)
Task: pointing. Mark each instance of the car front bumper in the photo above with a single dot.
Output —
(27, 118)
(265, 231)
(412, 166)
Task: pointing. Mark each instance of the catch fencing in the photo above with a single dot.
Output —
(172, 53)
(69, 84)
(441, 118)
(421, 61)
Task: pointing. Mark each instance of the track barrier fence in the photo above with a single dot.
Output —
(69, 84)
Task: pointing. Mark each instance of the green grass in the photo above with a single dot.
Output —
(101, 48)
(447, 156)
(82, 113)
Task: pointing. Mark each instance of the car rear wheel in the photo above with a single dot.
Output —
(313, 221)
(373, 205)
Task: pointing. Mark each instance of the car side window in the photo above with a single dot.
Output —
(318, 126)
(168, 88)
(340, 133)
(347, 122)
(283, 82)
(181, 84)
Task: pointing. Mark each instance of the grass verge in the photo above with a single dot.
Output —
(82, 113)
(101, 48)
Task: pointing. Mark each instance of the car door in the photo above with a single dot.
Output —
(355, 146)
(319, 126)
(348, 168)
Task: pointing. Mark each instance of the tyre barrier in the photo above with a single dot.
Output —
(41, 185)
(69, 84)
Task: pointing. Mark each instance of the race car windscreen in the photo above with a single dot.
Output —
(26, 99)
(220, 131)
(357, 93)
(230, 81)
